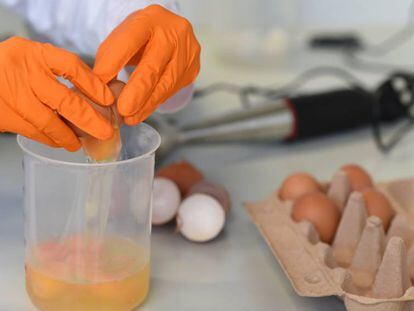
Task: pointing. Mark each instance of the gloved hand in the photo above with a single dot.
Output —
(164, 50)
(33, 102)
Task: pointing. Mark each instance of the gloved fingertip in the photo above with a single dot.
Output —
(124, 110)
(101, 70)
(130, 122)
(133, 120)
(127, 104)
(105, 132)
(75, 146)
(108, 97)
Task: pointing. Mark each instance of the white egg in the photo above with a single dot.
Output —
(166, 199)
(200, 218)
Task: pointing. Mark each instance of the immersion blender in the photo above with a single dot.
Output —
(279, 120)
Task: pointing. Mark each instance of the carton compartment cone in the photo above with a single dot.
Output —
(410, 262)
(326, 255)
(392, 279)
(339, 189)
(400, 227)
(368, 254)
(309, 231)
(350, 229)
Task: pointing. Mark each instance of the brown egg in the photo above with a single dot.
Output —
(321, 211)
(358, 177)
(297, 185)
(378, 205)
(184, 174)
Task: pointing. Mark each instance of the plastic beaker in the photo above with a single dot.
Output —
(88, 225)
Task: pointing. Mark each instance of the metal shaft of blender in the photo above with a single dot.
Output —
(270, 121)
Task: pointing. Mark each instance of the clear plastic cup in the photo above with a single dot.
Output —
(88, 225)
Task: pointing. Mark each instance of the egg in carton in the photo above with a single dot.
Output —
(368, 269)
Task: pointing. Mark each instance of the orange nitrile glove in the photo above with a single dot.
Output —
(164, 50)
(33, 102)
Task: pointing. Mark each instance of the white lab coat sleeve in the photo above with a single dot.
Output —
(81, 25)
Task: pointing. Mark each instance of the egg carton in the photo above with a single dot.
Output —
(368, 269)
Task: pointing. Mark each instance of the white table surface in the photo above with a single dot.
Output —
(236, 271)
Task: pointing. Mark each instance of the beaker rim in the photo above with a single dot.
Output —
(21, 142)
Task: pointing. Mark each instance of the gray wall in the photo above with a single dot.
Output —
(10, 23)
(306, 14)
(309, 14)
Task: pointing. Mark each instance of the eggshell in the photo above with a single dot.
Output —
(200, 218)
(321, 211)
(359, 179)
(102, 150)
(297, 185)
(116, 87)
(183, 173)
(165, 201)
(378, 205)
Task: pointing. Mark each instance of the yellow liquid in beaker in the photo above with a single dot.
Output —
(110, 275)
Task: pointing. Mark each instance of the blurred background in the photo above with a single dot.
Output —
(310, 14)
(266, 44)
(267, 27)
(252, 29)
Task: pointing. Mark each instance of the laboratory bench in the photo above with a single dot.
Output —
(236, 271)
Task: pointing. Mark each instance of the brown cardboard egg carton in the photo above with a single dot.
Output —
(368, 269)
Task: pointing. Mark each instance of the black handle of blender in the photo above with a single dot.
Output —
(330, 112)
